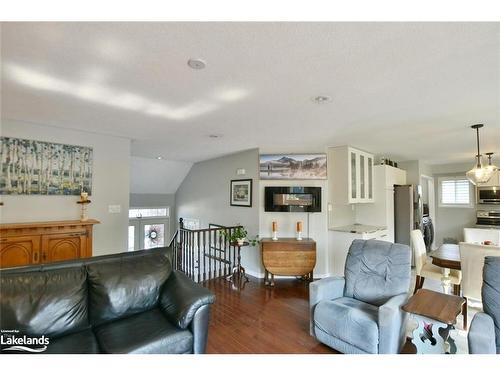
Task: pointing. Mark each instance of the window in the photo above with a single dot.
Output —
(138, 213)
(455, 192)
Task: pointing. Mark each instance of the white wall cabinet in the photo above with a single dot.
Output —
(350, 174)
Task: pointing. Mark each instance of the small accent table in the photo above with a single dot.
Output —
(288, 257)
(435, 314)
(238, 272)
(447, 257)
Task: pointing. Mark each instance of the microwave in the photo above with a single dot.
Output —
(488, 195)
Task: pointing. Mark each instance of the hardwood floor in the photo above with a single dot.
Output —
(259, 319)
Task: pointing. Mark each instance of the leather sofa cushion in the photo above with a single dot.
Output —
(48, 303)
(124, 286)
(349, 320)
(145, 333)
(377, 270)
(83, 342)
(491, 293)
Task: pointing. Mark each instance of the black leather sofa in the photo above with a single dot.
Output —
(121, 303)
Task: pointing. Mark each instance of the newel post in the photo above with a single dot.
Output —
(181, 247)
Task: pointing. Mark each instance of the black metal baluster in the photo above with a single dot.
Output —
(204, 258)
(226, 255)
(198, 260)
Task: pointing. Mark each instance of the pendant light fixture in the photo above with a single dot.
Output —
(490, 165)
(479, 174)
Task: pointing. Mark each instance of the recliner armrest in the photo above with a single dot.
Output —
(181, 297)
(325, 289)
(392, 324)
(481, 337)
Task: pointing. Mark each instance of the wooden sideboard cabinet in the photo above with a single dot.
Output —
(25, 244)
(288, 257)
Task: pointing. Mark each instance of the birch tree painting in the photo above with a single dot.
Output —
(32, 167)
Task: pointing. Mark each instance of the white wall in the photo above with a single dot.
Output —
(318, 222)
(110, 186)
(153, 176)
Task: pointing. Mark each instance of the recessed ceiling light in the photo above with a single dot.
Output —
(321, 99)
(159, 157)
(214, 136)
(197, 63)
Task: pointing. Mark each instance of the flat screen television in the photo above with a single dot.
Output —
(292, 199)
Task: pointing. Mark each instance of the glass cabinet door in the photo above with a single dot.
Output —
(370, 178)
(362, 170)
(354, 184)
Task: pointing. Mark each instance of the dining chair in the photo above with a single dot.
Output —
(484, 333)
(424, 267)
(472, 262)
(479, 235)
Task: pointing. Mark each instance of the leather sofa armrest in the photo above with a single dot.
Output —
(481, 337)
(325, 289)
(181, 297)
(392, 324)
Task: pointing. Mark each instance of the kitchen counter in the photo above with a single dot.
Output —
(359, 228)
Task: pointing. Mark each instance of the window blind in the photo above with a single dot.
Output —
(455, 192)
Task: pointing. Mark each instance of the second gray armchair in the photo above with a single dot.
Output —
(484, 333)
(361, 312)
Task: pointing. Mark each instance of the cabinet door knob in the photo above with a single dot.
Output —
(35, 257)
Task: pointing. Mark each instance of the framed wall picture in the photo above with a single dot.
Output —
(29, 167)
(293, 167)
(241, 193)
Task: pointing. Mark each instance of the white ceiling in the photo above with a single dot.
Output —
(402, 90)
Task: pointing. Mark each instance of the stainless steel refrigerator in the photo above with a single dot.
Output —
(408, 211)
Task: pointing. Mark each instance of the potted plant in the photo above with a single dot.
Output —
(239, 235)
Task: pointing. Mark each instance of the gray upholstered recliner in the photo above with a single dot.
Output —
(484, 332)
(361, 312)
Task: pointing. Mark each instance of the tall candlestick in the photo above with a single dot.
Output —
(275, 231)
(299, 230)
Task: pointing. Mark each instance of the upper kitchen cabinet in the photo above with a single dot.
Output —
(350, 176)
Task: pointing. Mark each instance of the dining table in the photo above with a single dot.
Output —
(447, 256)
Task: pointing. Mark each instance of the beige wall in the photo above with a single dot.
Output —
(110, 186)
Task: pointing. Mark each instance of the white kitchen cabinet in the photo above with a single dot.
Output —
(340, 239)
(381, 212)
(350, 175)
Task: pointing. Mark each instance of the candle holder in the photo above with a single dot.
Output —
(275, 231)
(84, 213)
(299, 230)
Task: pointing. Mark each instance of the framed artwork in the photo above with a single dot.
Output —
(241, 193)
(29, 167)
(293, 167)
